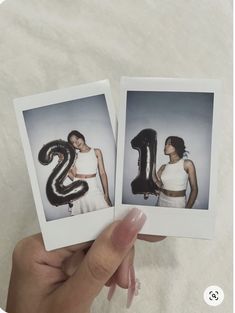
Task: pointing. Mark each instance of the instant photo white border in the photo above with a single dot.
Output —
(69, 230)
(193, 223)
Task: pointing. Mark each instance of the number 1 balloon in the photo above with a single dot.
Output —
(146, 144)
(57, 192)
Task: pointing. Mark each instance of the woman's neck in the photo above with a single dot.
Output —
(85, 148)
(174, 158)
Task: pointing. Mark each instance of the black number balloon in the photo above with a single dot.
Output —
(57, 192)
(146, 144)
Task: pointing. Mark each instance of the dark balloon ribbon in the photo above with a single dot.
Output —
(57, 192)
(146, 144)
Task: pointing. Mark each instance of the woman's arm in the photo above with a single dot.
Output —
(72, 172)
(190, 169)
(103, 175)
(158, 175)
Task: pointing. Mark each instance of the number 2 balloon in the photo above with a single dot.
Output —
(57, 192)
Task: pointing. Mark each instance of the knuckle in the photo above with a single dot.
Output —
(26, 251)
(99, 268)
(20, 249)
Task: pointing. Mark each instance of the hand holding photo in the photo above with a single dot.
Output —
(162, 123)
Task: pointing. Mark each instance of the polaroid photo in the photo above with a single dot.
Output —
(69, 140)
(167, 151)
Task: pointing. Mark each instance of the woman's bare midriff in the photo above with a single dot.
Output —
(85, 175)
(171, 193)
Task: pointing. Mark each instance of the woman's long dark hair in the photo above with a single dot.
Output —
(178, 144)
(77, 134)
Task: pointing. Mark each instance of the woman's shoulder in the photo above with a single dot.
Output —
(188, 163)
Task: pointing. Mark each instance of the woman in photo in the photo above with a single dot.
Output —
(173, 177)
(88, 162)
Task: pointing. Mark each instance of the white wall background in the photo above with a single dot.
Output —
(186, 115)
(89, 116)
(45, 45)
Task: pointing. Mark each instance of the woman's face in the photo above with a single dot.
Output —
(169, 148)
(76, 142)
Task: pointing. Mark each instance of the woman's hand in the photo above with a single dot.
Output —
(107, 199)
(61, 157)
(68, 280)
(158, 180)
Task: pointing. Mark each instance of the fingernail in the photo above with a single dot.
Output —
(112, 289)
(137, 286)
(133, 287)
(128, 228)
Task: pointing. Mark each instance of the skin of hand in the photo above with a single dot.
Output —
(72, 172)
(60, 157)
(67, 280)
(158, 175)
(107, 199)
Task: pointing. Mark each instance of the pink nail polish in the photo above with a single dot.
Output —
(128, 228)
(132, 290)
(112, 289)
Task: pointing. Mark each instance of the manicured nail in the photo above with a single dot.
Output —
(112, 289)
(128, 228)
(137, 286)
(132, 287)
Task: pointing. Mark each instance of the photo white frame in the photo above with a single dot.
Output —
(191, 223)
(70, 230)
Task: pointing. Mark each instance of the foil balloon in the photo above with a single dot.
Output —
(146, 144)
(57, 192)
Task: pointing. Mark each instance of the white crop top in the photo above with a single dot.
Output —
(174, 177)
(86, 163)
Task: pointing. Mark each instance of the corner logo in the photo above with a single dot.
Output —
(213, 295)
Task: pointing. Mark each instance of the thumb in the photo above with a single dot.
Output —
(102, 260)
